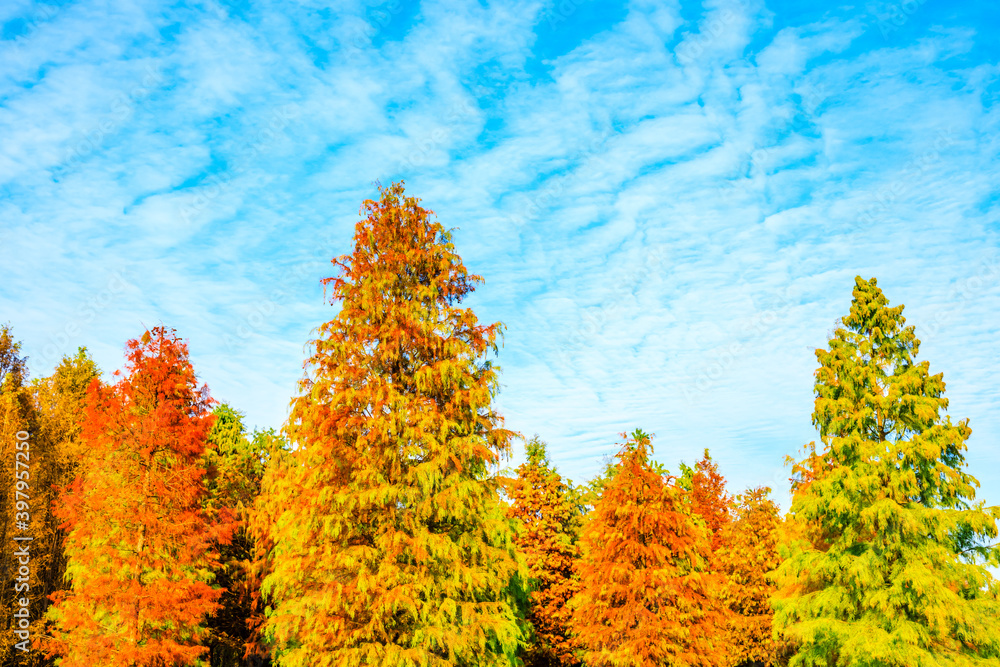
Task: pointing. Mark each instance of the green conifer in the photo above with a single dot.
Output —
(887, 568)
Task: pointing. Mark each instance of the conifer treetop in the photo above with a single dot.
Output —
(883, 572)
(646, 596)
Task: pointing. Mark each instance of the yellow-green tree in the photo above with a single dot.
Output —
(885, 572)
(549, 517)
(391, 544)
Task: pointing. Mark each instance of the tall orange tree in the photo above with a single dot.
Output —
(711, 502)
(139, 544)
(391, 545)
(646, 595)
(549, 516)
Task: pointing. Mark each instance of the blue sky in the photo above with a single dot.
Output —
(668, 201)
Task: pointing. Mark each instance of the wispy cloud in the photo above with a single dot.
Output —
(669, 201)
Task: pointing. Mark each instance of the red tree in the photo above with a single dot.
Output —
(710, 500)
(139, 543)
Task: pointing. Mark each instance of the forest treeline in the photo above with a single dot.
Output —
(379, 526)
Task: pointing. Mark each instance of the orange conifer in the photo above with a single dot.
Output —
(550, 519)
(139, 544)
(646, 596)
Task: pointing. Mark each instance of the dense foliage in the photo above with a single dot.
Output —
(646, 593)
(390, 542)
(139, 544)
(548, 513)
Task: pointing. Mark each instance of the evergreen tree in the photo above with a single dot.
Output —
(709, 498)
(549, 516)
(235, 467)
(646, 596)
(878, 576)
(391, 544)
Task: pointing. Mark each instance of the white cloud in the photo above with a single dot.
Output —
(668, 223)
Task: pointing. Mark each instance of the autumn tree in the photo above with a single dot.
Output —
(39, 426)
(549, 517)
(139, 544)
(709, 498)
(55, 455)
(391, 543)
(748, 557)
(884, 573)
(646, 595)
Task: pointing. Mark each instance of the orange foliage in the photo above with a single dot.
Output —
(388, 541)
(750, 555)
(550, 519)
(646, 595)
(139, 544)
(709, 499)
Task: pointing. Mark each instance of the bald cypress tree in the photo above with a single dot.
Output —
(391, 545)
(888, 568)
(548, 511)
(646, 597)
